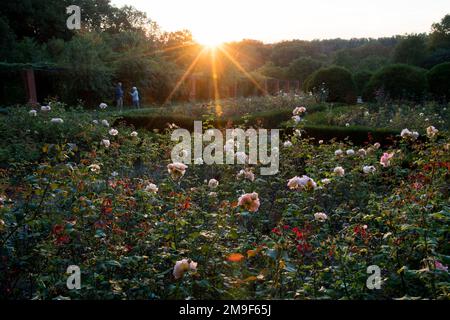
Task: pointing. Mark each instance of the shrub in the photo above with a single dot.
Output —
(437, 57)
(439, 79)
(361, 79)
(337, 80)
(398, 81)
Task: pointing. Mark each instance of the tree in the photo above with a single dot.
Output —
(372, 63)
(272, 71)
(411, 50)
(86, 75)
(440, 34)
(372, 51)
(301, 68)
(437, 57)
(285, 52)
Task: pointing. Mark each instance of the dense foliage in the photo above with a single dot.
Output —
(123, 44)
(101, 198)
(336, 81)
(398, 81)
(438, 81)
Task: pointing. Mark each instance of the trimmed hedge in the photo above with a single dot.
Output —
(338, 81)
(357, 134)
(150, 121)
(398, 81)
(439, 81)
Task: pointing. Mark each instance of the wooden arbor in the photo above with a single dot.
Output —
(27, 72)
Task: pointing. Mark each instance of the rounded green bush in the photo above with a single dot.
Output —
(439, 81)
(337, 80)
(398, 81)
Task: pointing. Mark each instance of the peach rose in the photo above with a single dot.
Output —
(249, 202)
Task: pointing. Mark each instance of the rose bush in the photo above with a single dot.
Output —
(142, 227)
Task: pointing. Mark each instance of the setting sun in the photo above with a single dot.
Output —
(209, 41)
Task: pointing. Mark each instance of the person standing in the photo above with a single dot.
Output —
(119, 96)
(135, 97)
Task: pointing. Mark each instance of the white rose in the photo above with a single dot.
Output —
(106, 143)
(320, 216)
(213, 183)
(151, 188)
(339, 171)
(57, 120)
(113, 132)
(369, 169)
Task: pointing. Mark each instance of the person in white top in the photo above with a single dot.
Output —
(135, 97)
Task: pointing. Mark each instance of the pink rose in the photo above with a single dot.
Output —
(385, 160)
(249, 202)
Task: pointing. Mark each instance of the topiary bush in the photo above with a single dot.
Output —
(398, 81)
(337, 80)
(439, 81)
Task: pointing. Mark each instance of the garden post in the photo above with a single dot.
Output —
(30, 86)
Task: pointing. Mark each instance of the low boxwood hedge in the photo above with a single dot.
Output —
(270, 119)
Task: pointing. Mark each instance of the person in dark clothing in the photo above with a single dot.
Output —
(119, 96)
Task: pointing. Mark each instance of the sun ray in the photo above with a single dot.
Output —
(181, 46)
(180, 57)
(215, 82)
(185, 75)
(241, 68)
(146, 54)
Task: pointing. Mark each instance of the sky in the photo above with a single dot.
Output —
(216, 21)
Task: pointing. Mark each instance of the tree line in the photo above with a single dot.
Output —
(123, 44)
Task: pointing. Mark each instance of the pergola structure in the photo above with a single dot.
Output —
(264, 86)
(27, 71)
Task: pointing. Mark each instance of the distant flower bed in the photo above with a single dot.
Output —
(85, 190)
